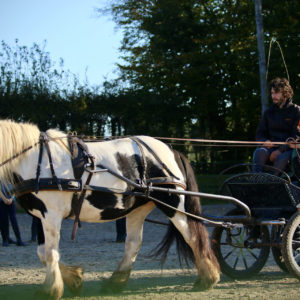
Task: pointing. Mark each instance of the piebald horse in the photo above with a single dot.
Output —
(19, 157)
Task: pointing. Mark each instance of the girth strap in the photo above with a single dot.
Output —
(46, 184)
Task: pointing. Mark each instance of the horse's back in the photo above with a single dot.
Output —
(135, 145)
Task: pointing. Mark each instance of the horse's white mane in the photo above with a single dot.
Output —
(15, 138)
(59, 137)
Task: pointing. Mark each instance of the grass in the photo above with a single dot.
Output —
(210, 184)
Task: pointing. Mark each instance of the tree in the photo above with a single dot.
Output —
(33, 89)
(198, 59)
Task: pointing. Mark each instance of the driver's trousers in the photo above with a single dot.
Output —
(261, 157)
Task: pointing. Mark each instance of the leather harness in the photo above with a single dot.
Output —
(82, 161)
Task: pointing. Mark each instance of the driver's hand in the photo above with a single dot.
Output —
(274, 155)
(268, 144)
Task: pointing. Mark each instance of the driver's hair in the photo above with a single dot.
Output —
(283, 86)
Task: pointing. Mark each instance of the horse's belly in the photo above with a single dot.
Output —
(90, 213)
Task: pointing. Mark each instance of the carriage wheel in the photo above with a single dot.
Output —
(237, 256)
(291, 245)
(276, 251)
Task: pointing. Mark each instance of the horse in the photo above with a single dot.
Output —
(137, 160)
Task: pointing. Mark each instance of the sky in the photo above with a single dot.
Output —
(87, 42)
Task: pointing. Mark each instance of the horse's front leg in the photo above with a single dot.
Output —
(72, 275)
(134, 228)
(48, 253)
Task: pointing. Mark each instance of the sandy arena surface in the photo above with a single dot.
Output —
(96, 251)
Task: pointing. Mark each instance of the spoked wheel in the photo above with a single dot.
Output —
(290, 247)
(276, 236)
(240, 257)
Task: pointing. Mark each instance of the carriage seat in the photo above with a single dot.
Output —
(266, 195)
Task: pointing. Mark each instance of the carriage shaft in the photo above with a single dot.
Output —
(150, 188)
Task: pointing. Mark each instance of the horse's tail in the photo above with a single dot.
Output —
(197, 229)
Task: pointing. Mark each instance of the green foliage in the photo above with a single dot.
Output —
(197, 62)
(190, 69)
(33, 89)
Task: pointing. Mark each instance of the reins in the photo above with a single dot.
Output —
(18, 154)
(199, 142)
(145, 189)
(206, 142)
(222, 143)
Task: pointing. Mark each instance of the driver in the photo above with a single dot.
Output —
(279, 122)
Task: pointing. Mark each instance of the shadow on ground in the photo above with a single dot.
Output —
(136, 288)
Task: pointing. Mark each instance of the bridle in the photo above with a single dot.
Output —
(43, 141)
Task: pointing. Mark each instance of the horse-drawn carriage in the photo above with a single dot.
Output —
(274, 202)
(55, 177)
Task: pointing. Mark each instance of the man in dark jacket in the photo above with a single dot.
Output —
(279, 122)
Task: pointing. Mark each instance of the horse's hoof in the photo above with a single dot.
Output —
(76, 288)
(42, 294)
(73, 278)
(203, 285)
(110, 287)
(116, 283)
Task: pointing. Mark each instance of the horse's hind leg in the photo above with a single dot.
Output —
(134, 227)
(196, 236)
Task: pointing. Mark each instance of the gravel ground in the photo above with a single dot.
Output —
(96, 251)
